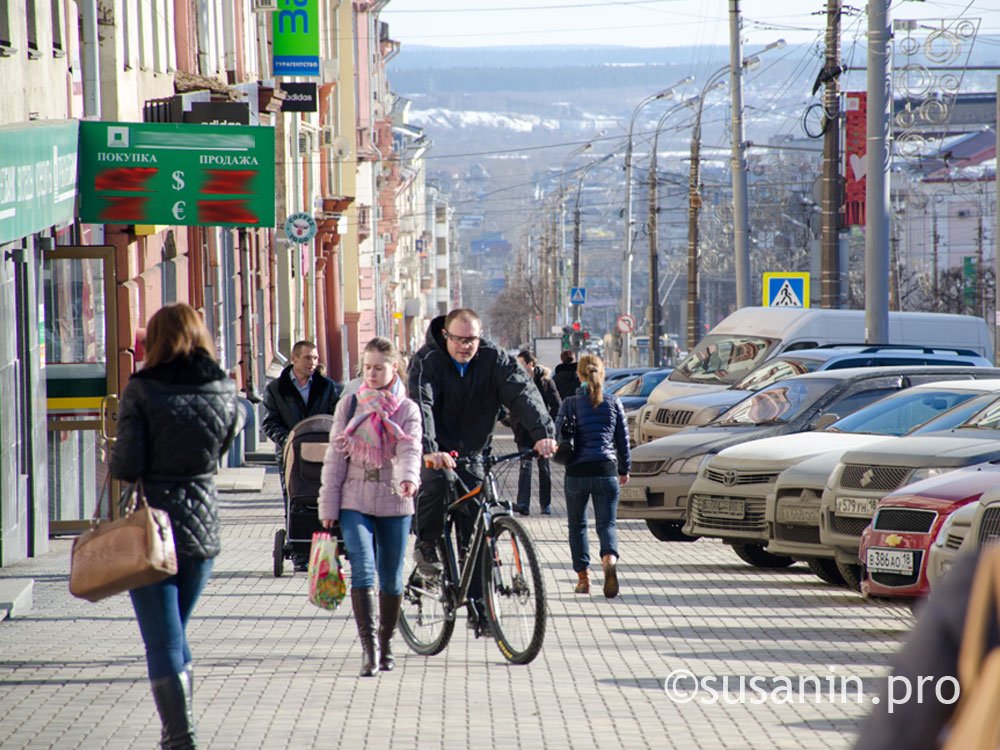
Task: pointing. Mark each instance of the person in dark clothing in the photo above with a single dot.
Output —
(460, 381)
(564, 375)
(550, 397)
(601, 464)
(177, 418)
(929, 655)
(300, 391)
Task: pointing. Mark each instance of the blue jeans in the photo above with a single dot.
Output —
(163, 610)
(604, 492)
(375, 543)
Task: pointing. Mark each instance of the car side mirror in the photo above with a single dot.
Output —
(825, 421)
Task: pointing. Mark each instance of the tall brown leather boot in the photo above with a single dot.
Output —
(363, 601)
(388, 613)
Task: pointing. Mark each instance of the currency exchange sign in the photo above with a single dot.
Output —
(176, 174)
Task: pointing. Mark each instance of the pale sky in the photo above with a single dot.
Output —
(645, 23)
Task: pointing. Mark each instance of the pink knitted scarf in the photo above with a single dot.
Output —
(371, 436)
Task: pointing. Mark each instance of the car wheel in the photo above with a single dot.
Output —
(668, 531)
(756, 555)
(826, 570)
(851, 573)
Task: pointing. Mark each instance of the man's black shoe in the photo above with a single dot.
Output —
(426, 558)
(521, 511)
(300, 564)
(547, 510)
(479, 624)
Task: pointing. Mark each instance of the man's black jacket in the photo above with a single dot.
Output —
(284, 406)
(550, 397)
(459, 413)
(565, 379)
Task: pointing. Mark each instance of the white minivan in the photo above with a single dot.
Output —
(752, 335)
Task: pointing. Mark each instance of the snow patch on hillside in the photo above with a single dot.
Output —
(438, 119)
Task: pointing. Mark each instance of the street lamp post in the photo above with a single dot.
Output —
(562, 214)
(577, 232)
(627, 276)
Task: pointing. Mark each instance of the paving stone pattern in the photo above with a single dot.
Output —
(272, 671)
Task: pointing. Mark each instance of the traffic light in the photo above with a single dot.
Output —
(566, 337)
(577, 326)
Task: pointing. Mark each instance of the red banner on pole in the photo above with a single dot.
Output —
(855, 153)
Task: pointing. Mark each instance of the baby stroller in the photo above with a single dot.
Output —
(303, 460)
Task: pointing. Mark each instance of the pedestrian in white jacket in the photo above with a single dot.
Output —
(370, 475)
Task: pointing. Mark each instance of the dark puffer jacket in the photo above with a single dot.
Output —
(459, 413)
(175, 422)
(285, 408)
(601, 435)
(565, 379)
(550, 397)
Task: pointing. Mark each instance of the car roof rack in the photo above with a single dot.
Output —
(872, 348)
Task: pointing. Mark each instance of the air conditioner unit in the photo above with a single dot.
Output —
(306, 143)
(330, 70)
(264, 6)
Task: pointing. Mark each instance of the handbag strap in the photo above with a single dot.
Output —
(979, 617)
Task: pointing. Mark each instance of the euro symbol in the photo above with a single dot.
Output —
(178, 210)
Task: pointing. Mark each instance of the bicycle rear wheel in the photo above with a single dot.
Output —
(514, 591)
(427, 618)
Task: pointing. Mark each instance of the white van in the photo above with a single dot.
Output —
(752, 335)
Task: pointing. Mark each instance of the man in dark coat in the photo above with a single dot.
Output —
(550, 397)
(460, 381)
(565, 374)
(298, 392)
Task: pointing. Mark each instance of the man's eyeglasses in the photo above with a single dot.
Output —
(462, 340)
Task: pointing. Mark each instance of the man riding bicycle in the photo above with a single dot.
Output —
(460, 381)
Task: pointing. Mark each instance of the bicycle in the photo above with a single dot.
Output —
(512, 584)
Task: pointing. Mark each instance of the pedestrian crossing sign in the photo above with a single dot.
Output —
(783, 289)
(578, 295)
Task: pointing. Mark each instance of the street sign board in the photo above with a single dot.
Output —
(295, 33)
(786, 289)
(176, 174)
(625, 323)
(300, 227)
(578, 295)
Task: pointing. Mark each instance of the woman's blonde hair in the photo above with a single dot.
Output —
(176, 331)
(590, 370)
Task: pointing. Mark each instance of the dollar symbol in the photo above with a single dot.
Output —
(178, 180)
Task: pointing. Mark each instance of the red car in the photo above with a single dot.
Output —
(894, 547)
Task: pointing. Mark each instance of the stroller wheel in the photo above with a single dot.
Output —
(279, 553)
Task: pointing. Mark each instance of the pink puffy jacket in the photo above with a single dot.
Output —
(375, 493)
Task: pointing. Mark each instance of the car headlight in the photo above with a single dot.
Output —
(834, 479)
(926, 473)
(942, 535)
(704, 416)
(689, 465)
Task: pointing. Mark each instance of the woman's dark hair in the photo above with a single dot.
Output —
(528, 356)
(174, 332)
(590, 370)
(567, 356)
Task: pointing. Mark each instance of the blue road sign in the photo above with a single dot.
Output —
(786, 289)
(578, 295)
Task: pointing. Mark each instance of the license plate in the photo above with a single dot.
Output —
(720, 507)
(633, 494)
(884, 560)
(806, 514)
(859, 507)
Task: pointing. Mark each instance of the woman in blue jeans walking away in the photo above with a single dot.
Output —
(601, 464)
(178, 416)
(370, 475)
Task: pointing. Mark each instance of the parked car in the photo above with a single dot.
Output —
(894, 549)
(752, 335)
(950, 540)
(679, 413)
(634, 394)
(866, 475)
(743, 476)
(612, 374)
(663, 470)
(793, 509)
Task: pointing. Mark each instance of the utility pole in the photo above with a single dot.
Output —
(577, 309)
(655, 312)
(879, 87)
(996, 256)
(935, 238)
(741, 220)
(694, 204)
(830, 243)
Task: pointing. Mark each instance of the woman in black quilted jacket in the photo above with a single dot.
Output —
(177, 417)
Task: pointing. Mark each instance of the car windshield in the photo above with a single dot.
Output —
(621, 385)
(900, 413)
(986, 419)
(723, 358)
(641, 386)
(956, 416)
(778, 403)
(776, 369)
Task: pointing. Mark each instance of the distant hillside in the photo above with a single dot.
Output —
(415, 56)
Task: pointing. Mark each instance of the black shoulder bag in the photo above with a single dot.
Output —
(566, 450)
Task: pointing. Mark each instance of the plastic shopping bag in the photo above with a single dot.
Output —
(327, 587)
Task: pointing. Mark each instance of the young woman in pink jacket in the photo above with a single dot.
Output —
(370, 477)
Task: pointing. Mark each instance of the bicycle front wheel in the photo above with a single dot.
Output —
(514, 591)
(426, 619)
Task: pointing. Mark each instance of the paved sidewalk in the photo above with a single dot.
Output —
(272, 671)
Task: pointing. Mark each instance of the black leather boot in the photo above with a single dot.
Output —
(172, 697)
(363, 601)
(388, 614)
